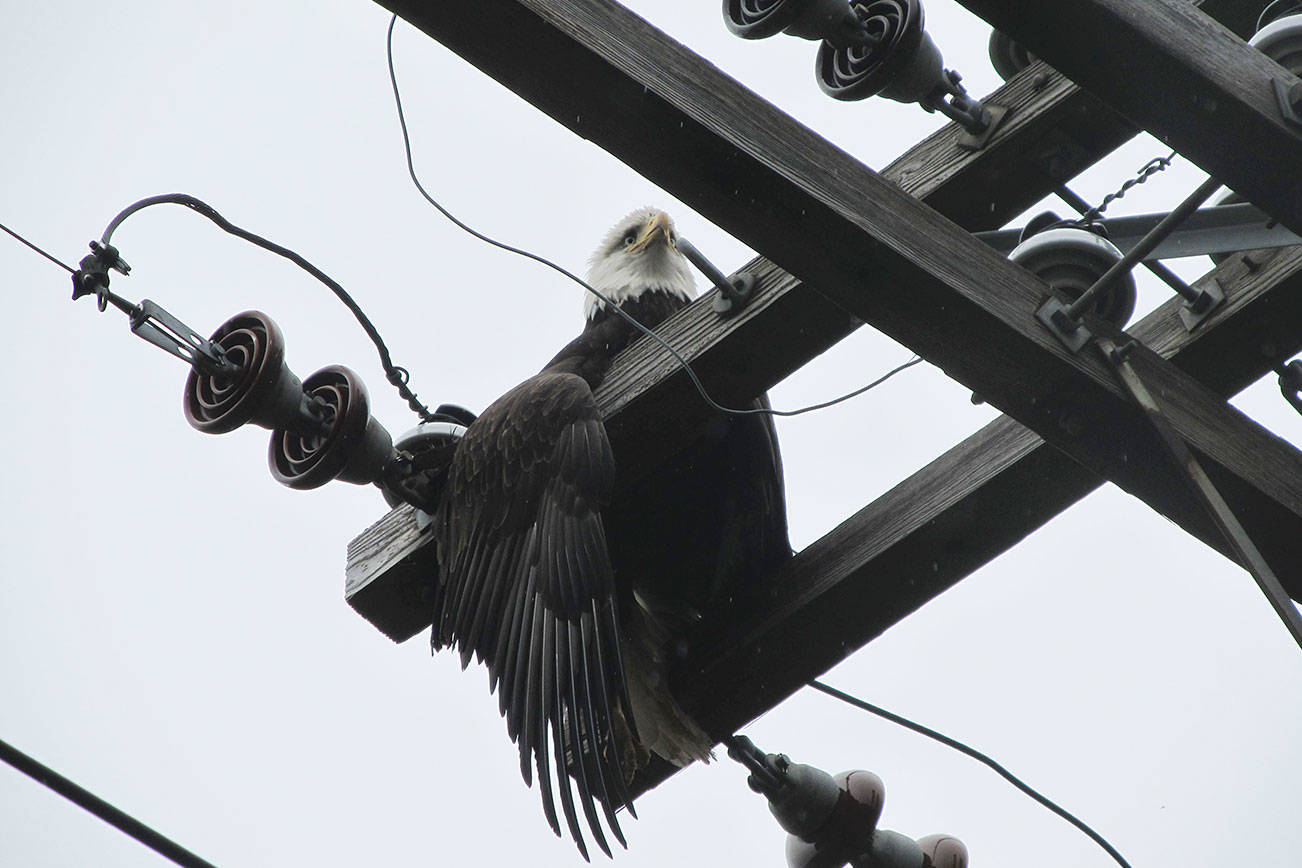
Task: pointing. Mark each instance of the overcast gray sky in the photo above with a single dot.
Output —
(173, 634)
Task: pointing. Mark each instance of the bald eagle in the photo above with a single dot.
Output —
(578, 605)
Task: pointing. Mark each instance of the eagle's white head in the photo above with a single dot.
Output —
(638, 255)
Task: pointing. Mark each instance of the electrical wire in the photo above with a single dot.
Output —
(979, 757)
(38, 250)
(542, 260)
(115, 817)
(397, 376)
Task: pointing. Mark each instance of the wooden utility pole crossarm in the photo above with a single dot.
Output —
(877, 253)
(969, 505)
(869, 247)
(1180, 75)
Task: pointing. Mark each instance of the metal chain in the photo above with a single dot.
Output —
(1151, 168)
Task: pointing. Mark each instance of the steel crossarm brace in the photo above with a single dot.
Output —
(1219, 229)
(1187, 465)
(1180, 75)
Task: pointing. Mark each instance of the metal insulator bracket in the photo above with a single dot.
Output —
(734, 292)
(1056, 316)
(154, 324)
(1198, 306)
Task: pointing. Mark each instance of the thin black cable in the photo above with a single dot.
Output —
(979, 757)
(398, 376)
(38, 250)
(542, 260)
(115, 817)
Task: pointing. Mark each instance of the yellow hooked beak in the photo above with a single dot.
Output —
(656, 229)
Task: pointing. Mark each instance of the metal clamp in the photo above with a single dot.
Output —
(154, 324)
(148, 320)
(91, 277)
(734, 292)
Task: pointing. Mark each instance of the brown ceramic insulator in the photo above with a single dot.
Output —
(353, 446)
(263, 391)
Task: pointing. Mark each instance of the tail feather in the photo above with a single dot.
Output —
(662, 726)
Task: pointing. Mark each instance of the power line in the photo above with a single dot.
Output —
(115, 817)
(542, 260)
(979, 757)
(397, 376)
(38, 250)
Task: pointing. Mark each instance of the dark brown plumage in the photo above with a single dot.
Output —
(578, 605)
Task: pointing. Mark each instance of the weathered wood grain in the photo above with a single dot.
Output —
(962, 510)
(1177, 73)
(389, 574)
(1053, 130)
(622, 413)
(859, 241)
(867, 245)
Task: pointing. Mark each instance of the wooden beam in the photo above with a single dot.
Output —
(961, 511)
(1180, 75)
(929, 275)
(772, 182)
(1053, 130)
(947, 520)
(870, 248)
(968, 506)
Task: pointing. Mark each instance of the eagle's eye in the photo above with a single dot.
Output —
(630, 237)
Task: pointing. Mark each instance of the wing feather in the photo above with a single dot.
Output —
(526, 586)
(559, 661)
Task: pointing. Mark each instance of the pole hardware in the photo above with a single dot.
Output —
(872, 48)
(322, 428)
(1118, 357)
(1199, 302)
(734, 292)
(1279, 37)
(1064, 319)
(831, 820)
(149, 320)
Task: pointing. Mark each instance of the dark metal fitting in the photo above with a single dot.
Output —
(454, 413)
(740, 288)
(1120, 354)
(91, 277)
(767, 771)
(734, 292)
(1289, 98)
(1056, 317)
(1200, 306)
(977, 119)
(154, 324)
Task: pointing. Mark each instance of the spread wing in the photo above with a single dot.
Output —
(526, 587)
